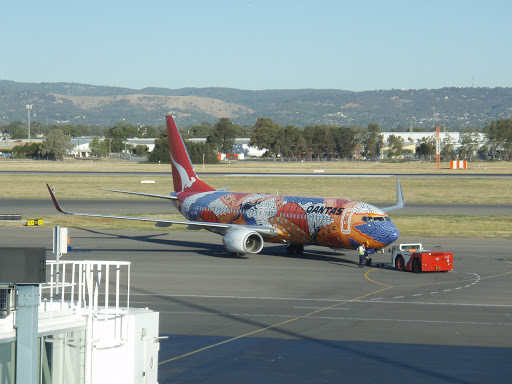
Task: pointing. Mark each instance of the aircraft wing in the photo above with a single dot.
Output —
(168, 197)
(220, 228)
(400, 203)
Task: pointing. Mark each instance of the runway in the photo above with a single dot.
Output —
(30, 207)
(266, 174)
(315, 318)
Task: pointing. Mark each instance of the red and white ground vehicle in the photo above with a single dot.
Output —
(412, 257)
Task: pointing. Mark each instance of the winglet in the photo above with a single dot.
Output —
(400, 202)
(57, 205)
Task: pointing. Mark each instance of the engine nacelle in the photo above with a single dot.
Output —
(243, 241)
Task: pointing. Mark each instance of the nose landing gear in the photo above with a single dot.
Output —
(295, 249)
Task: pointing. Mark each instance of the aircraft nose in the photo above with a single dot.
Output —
(383, 232)
(393, 233)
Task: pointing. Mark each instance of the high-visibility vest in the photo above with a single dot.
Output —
(361, 250)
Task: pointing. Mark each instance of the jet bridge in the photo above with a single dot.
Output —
(84, 330)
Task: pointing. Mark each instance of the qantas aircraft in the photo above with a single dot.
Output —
(247, 220)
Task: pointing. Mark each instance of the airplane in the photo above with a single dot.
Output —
(247, 220)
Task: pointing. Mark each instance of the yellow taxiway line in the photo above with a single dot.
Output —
(273, 326)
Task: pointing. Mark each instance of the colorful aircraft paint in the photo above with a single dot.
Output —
(247, 220)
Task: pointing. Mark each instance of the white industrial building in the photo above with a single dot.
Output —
(81, 145)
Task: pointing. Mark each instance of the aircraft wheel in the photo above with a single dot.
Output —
(369, 262)
(400, 263)
(416, 266)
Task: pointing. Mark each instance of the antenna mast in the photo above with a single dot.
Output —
(438, 148)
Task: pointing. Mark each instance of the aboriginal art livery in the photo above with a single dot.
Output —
(247, 220)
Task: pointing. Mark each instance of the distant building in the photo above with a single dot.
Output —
(81, 145)
(241, 146)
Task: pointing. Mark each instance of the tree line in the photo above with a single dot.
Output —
(277, 141)
(339, 142)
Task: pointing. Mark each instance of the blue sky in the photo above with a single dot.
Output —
(258, 44)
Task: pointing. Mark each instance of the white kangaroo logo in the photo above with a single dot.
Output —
(185, 180)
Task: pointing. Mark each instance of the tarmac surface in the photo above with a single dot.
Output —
(315, 318)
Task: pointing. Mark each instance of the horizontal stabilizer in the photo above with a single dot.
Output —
(168, 197)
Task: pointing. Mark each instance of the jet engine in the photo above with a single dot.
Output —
(242, 241)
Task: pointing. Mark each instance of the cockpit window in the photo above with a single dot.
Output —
(371, 219)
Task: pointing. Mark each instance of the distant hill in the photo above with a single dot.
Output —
(101, 105)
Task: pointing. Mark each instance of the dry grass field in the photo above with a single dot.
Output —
(476, 190)
(260, 166)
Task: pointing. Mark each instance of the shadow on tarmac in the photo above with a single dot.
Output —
(354, 351)
(219, 251)
(349, 354)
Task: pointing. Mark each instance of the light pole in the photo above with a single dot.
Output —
(29, 107)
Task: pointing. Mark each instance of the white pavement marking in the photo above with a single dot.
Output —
(448, 290)
(156, 295)
(337, 318)
(332, 309)
(298, 299)
(302, 175)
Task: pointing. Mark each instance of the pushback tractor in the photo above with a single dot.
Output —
(412, 257)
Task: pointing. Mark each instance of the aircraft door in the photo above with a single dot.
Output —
(262, 215)
(259, 215)
(346, 218)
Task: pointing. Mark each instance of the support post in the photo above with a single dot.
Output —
(56, 251)
(27, 333)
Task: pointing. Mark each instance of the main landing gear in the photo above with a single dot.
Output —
(295, 249)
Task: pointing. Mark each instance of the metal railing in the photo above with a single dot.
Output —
(80, 286)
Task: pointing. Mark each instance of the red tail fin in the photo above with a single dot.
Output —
(183, 175)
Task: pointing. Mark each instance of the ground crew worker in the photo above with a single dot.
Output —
(362, 256)
(366, 252)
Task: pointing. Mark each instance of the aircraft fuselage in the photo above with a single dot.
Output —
(330, 222)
